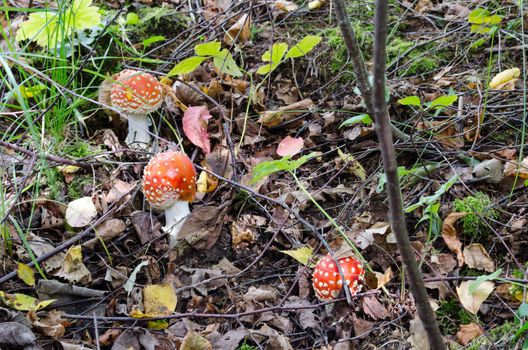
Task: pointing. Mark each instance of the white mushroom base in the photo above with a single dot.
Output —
(174, 218)
(138, 131)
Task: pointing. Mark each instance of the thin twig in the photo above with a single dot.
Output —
(383, 129)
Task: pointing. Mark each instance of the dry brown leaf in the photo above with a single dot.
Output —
(472, 302)
(443, 263)
(244, 230)
(240, 31)
(202, 228)
(106, 231)
(73, 269)
(259, 294)
(476, 257)
(285, 113)
(516, 169)
(372, 307)
(52, 325)
(444, 132)
(468, 332)
(449, 234)
(376, 280)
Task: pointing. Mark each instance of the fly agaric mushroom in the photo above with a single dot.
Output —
(169, 183)
(327, 281)
(135, 94)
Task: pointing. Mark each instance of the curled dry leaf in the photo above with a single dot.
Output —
(73, 269)
(443, 263)
(468, 332)
(449, 234)
(240, 31)
(476, 257)
(516, 169)
(472, 301)
(290, 146)
(373, 308)
(376, 280)
(195, 127)
(505, 80)
(202, 228)
(285, 113)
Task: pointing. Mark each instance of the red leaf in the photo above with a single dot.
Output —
(195, 127)
(290, 146)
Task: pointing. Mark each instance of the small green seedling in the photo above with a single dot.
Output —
(222, 59)
(284, 164)
(482, 22)
(432, 199)
(436, 105)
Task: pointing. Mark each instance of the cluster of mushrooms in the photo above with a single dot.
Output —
(169, 179)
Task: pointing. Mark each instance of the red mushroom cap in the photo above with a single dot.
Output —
(169, 177)
(135, 92)
(327, 281)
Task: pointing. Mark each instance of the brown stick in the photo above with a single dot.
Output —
(390, 165)
(358, 64)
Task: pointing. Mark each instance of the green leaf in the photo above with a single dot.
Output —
(478, 43)
(482, 16)
(362, 118)
(429, 200)
(152, 40)
(410, 101)
(226, 63)
(284, 164)
(480, 279)
(265, 69)
(443, 101)
(276, 53)
(132, 18)
(186, 66)
(477, 28)
(81, 15)
(304, 46)
(208, 49)
(302, 254)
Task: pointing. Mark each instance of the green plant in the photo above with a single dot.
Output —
(482, 22)
(246, 346)
(437, 105)
(478, 208)
(451, 315)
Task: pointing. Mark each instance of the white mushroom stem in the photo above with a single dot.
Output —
(138, 131)
(174, 219)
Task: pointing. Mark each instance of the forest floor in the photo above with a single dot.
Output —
(288, 170)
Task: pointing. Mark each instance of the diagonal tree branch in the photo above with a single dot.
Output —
(390, 165)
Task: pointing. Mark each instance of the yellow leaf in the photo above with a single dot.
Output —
(472, 302)
(26, 274)
(509, 75)
(355, 167)
(206, 183)
(302, 255)
(22, 302)
(159, 299)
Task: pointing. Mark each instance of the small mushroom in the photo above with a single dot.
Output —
(327, 281)
(169, 183)
(136, 94)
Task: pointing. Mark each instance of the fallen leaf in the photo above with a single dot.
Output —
(202, 227)
(22, 302)
(290, 146)
(468, 332)
(26, 274)
(195, 127)
(515, 169)
(73, 269)
(52, 325)
(449, 234)
(490, 170)
(376, 280)
(443, 263)
(372, 307)
(285, 113)
(505, 80)
(476, 257)
(302, 255)
(136, 338)
(206, 183)
(365, 238)
(286, 5)
(159, 299)
(315, 4)
(240, 31)
(445, 132)
(259, 294)
(418, 335)
(80, 212)
(472, 301)
(16, 335)
(244, 229)
(106, 231)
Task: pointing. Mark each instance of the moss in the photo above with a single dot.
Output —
(479, 209)
(499, 337)
(418, 61)
(451, 315)
(77, 185)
